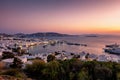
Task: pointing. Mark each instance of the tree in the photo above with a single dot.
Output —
(114, 72)
(103, 73)
(18, 49)
(90, 68)
(7, 55)
(36, 69)
(50, 58)
(17, 63)
(73, 69)
(54, 71)
(83, 75)
(87, 56)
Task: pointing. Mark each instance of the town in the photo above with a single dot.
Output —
(15, 47)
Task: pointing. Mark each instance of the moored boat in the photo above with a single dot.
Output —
(113, 49)
(113, 45)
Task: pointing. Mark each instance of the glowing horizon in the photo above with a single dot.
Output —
(72, 17)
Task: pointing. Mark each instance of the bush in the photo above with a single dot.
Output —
(50, 58)
(17, 63)
(54, 71)
(83, 76)
(7, 55)
(35, 69)
(100, 73)
(14, 72)
(73, 69)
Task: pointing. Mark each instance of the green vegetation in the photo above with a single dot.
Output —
(73, 69)
(7, 55)
(19, 50)
(50, 58)
(35, 70)
(17, 63)
(14, 72)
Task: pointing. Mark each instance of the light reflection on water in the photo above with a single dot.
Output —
(95, 44)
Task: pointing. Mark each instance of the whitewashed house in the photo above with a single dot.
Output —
(23, 59)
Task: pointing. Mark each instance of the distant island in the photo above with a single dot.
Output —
(37, 35)
(91, 35)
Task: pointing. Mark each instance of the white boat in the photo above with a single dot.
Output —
(113, 49)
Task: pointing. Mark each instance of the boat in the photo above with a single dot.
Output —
(91, 36)
(113, 45)
(76, 44)
(113, 49)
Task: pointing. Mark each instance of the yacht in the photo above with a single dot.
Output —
(113, 49)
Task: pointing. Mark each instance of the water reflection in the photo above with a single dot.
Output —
(94, 45)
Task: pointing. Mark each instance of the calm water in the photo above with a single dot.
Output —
(95, 44)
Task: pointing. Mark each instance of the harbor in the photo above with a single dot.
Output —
(31, 48)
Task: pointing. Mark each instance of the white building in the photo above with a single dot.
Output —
(23, 59)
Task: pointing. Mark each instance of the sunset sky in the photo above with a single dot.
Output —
(63, 16)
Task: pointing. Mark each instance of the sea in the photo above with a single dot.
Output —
(95, 44)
